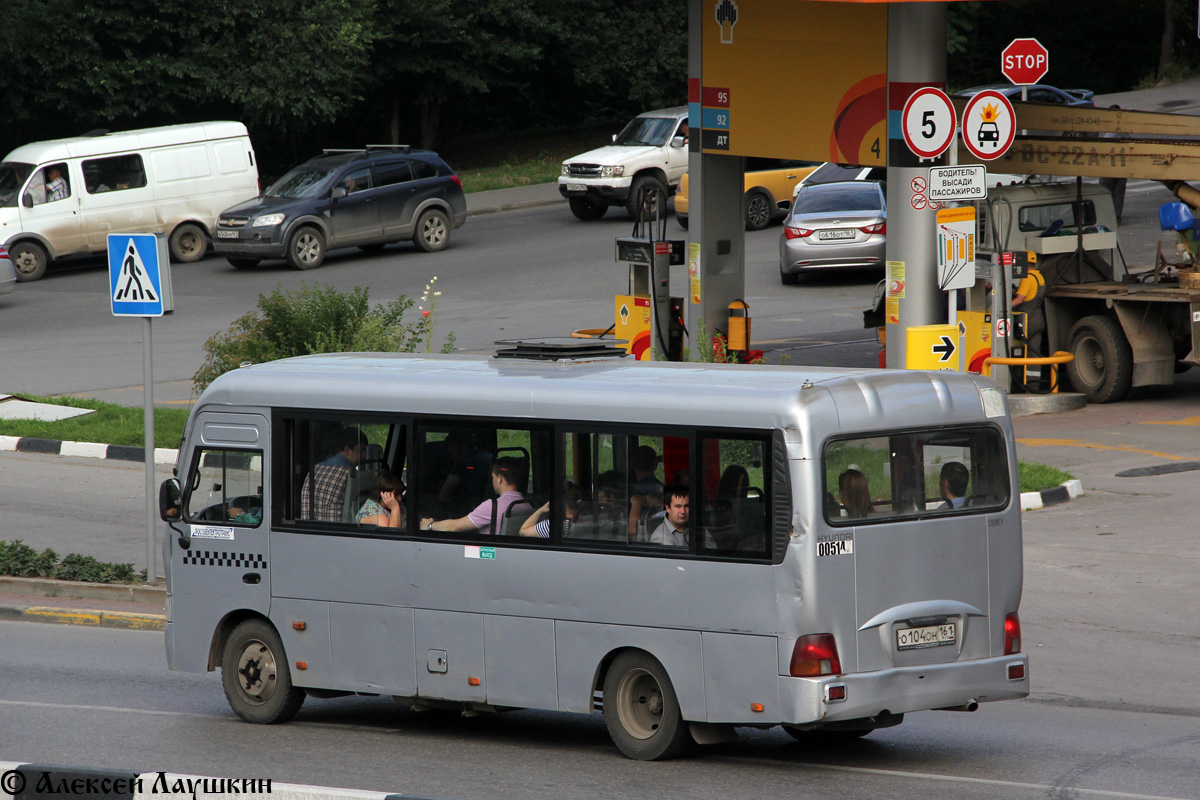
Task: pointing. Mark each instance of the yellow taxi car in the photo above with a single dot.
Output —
(770, 183)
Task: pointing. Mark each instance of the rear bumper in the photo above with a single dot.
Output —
(902, 690)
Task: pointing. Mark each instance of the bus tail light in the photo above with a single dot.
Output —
(815, 654)
(1012, 634)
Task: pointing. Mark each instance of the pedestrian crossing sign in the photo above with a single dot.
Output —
(139, 275)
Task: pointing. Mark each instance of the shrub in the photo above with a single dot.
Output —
(318, 320)
(22, 561)
(76, 567)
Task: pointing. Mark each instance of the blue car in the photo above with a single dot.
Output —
(1038, 93)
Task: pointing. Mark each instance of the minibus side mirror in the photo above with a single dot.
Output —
(170, 508)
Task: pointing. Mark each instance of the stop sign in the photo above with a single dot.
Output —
(1025, 61)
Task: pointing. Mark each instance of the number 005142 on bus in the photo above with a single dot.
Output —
(690, 548)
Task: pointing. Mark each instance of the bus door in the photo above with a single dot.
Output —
(224, 566)
(912, 512)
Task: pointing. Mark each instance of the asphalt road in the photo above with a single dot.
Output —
(120, 708)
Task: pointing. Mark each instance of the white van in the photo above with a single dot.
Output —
(63, 197)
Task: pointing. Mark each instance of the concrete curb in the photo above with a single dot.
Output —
(50, 587)
(80, 616)
(1031, 501)
(57, 447)
(33, 780)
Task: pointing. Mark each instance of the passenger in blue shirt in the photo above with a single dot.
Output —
(954, 480)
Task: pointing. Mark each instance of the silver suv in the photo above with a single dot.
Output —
(650, 153)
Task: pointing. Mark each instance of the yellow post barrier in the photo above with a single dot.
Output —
(1061, 357)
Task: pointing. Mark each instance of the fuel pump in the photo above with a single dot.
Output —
(644, 317)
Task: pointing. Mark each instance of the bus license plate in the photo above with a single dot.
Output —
(835, 234)
(227, 234)
(576, 187)
(931, 636)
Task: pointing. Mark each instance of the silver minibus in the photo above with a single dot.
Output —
(690, 548)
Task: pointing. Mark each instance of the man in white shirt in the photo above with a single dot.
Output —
(673, 532)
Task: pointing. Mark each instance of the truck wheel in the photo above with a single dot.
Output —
(187, 243)
(641, 711)
(306, 250)
(255, 674)
(585, 209)
(433, 231)
(1103, 365)
(758, 211)
(651, 191)
(29, 259)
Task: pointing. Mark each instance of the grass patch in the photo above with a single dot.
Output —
(1036, 477)
(503, 162)
(111, 424)
(540, 169)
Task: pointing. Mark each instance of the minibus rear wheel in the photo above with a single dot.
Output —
(255, 674)
(641, 710)
(188, 243)
(29, 259)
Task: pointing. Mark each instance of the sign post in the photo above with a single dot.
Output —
(139, 285)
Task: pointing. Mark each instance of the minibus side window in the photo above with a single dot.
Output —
(338, 471)
(459, 468)
(619, 487)
(735, 486)
(114, 173)
(225, 486)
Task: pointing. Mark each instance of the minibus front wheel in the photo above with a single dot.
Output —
(29, 259)
(255, 674)
(641, 710)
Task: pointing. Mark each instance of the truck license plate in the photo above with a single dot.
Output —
(931, 636)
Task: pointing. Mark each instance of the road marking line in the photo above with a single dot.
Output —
(1077, 443)
(76, 707)
(1185, 421)
(889, 773)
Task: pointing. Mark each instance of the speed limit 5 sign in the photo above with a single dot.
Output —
(928, 122)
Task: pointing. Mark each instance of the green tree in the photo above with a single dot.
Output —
(430, 53)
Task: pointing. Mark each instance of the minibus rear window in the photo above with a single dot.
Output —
(915, 474)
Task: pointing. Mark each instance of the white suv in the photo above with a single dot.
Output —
(650, 153)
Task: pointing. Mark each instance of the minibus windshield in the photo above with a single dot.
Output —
(12, 178)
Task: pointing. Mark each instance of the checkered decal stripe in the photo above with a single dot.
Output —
(222, 558)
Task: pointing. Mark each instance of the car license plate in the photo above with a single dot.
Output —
(931, 636)
(576, 187)
(847, 234)
(227, 234)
